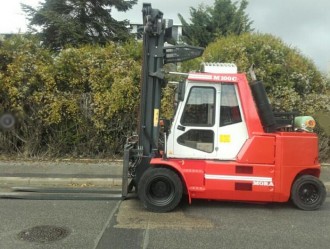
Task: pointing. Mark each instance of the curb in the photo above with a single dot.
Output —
(327, 186)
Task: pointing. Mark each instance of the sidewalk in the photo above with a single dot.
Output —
(64, 173)
(78, 173)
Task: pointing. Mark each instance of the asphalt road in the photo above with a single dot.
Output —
(208, 224)
(126, 224)
(84, 221)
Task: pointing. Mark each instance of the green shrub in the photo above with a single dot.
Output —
(84, 101)
(81, 101)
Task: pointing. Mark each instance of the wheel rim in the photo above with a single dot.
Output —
(160, 191)
(309, 193)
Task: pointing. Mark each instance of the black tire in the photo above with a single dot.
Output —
(308, 193)
(160, 189)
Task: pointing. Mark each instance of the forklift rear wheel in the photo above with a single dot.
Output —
(308, 193)
(160, 189)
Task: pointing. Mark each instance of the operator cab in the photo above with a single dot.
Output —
(209, 122)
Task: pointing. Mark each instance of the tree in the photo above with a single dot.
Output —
(75, 22)
(208, 23)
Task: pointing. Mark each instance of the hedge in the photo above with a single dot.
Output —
(77, 102)
(84, 101)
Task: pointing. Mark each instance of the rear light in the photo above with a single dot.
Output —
(310, 123)
(304, 123)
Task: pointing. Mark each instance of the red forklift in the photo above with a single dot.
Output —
(224, 142)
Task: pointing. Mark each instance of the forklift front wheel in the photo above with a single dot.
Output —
(308, 193)
(160, 189)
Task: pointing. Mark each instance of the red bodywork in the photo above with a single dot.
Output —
(265, 167)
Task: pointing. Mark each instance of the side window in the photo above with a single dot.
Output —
(198, 139)
(200, 107)
(229, 107)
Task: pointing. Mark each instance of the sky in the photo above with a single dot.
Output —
(302, 24)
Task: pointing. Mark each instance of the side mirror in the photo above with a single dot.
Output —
(181, 90)
(165, 124)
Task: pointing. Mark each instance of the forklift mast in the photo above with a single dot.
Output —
(152, 79)
(151, 84)
(156, 32)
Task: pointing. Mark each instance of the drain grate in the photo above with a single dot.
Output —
(44, 234)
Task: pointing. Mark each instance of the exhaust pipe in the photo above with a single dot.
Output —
(263, 106)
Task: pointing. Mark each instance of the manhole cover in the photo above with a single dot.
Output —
(44, 234)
